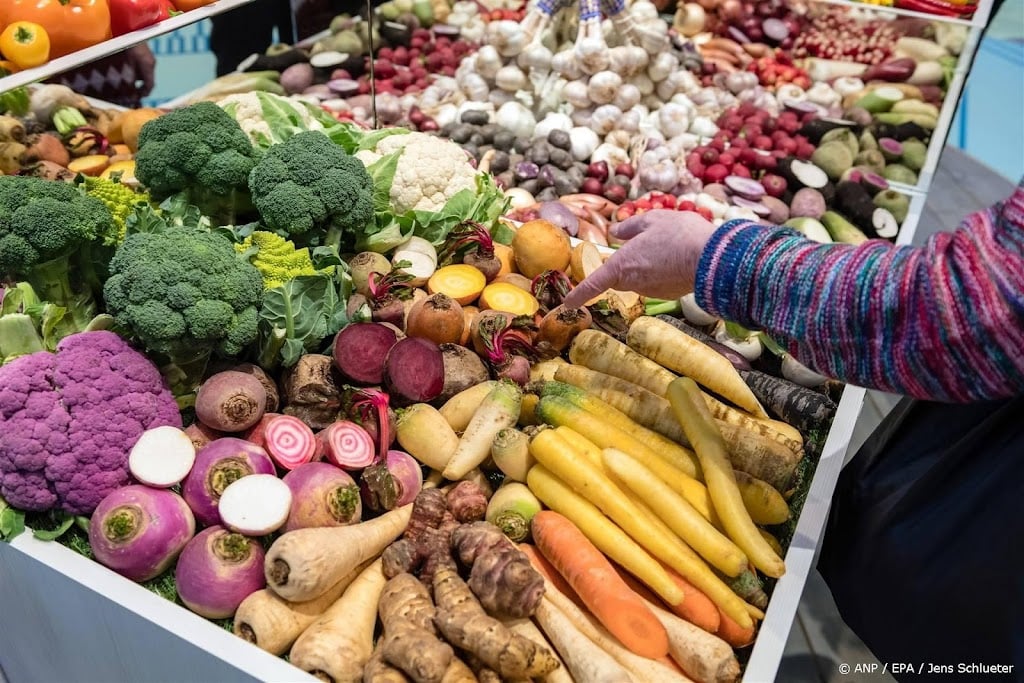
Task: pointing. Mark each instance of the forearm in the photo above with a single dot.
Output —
(941, 322)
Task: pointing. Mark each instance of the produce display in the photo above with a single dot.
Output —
(345, 413)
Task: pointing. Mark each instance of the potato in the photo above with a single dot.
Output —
(132, 122)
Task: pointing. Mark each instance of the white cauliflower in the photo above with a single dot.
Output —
(255, 111)
(430, 171)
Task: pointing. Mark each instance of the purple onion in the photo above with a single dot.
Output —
(745, 187)
(559, 214)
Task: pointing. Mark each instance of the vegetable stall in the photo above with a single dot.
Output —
(287, 387)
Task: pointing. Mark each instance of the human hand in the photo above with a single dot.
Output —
(659, 260)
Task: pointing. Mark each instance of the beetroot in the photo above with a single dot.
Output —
(361, 349)
(414, 371)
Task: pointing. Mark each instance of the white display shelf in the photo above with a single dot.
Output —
(109, 47)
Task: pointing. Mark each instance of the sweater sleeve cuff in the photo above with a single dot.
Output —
(718, 288)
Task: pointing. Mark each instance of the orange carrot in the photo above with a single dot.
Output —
(595, 581)
(733, 633)
(548, 571)
(696, 608)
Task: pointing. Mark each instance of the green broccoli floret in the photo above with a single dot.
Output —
(310, 190)
(202, 151)
(185, 294)
(49, 235)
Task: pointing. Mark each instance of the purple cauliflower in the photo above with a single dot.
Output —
(69, 419)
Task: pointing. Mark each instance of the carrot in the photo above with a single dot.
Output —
(678, 514)
(438, 318)
(468, 313)
(272, 624)
(458, 410)
(763, 503)
(799, 406)
(668, 450)
(561, 325)
(502, 296)
(303, 564)
(339, 643)
(602, 352)
(498, 410)
(697, 608)
(584, 659)
(683, 354)
(602, 532)
(641, 668)
(692, 413)
(594, 579)
(733, 633)
(424, 434)
(459, 281)
(550, 574)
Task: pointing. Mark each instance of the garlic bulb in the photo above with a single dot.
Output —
(535, 57)
(516, 118)
(507, 37)
(642, 11)
(627, 97)
(610, 154)
(446, 114)
(643, 83)
(583, 142)
(661, 66)
(621, 138)
(487, 61)
(510, 78)
(627, 60)
(630, 122)
(847, 85)
(582, 116)
(499, 97)
(823, 94)
(704, 127)
(591, 54)
(576, 94)
(790, 91)
(605, 119)
(565, 63)
(553, 121)
(603, 86)
(475, 87)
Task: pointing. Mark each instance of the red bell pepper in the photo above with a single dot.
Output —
(131, 15)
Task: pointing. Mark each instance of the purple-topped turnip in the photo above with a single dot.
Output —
(256, 505)
(219, 464)
(162, 457)
(231, 401)
(322, 495)
(217, 570)
(138, 531)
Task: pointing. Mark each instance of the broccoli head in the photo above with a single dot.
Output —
(69, 419)
(307, 187)
(48, 231)
(184, 293)
(200, 150)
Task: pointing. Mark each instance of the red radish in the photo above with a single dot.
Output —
(231, 401)
(361, 349)
(774, 185)
(322, 495)
(289, 441)
(716, 173)
(347, 445)
(218, 465)
(217, 570)
(138, 531)
(392, 482)
(162, 457)
(414, 371)
(256, 505)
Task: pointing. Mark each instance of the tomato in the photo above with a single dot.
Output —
(26, 44)
(71, 24)
(186, 5)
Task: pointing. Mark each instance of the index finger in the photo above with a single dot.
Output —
(598, 282)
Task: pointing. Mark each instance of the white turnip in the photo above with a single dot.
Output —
(217, 570)
(322, 495)
(162, 457)
(231, 401)
(255, 505)
(138, 531)
(218, 465)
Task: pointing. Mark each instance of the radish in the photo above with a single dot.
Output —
(322, 495)
(289, 441)
(219, 464)
(392, 482)
(162, 457)
(348, 445)
(217, 570)
(138, 531)
(255, 505)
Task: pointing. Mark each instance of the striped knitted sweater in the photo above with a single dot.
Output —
(942, 322)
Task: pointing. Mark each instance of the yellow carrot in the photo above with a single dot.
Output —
(681, 353)
(692, 413)
(679, 515)
(603, 533)
(555, 454)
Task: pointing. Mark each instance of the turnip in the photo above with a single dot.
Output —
(231, 401)
(322, 495)
(162, 457)
(138, 531)
(255, 505)
(218, 465)
(392, 482)
(217, 570)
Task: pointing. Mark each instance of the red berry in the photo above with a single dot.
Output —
(685, 205)
(705, 213)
